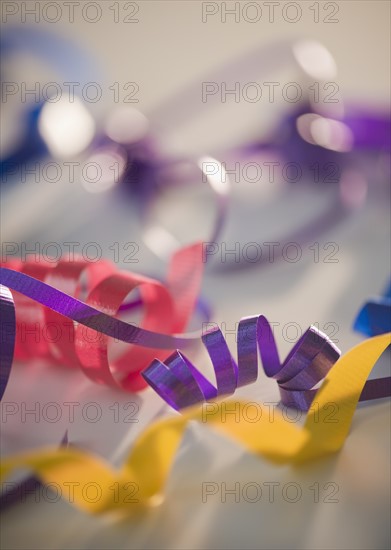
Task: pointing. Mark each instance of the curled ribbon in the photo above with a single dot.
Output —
(148, 464)
(84, 342)
(168, 309)
(180, 384)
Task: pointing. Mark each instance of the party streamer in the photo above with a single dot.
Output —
(176, 380)
(180, 384)
(141, 480)
(84, 341)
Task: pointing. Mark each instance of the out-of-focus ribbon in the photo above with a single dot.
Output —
(312, 132)
(72, 61)
(375, 316)
(18, 491)
(84, 341)
(141, 480)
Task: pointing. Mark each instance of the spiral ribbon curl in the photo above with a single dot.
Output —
(180, 384)
(149, 462)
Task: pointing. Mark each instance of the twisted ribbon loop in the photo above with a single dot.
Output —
(180, 384)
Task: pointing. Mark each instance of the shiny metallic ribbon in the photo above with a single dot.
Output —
(150, 460)
(180, 384)
(176, 380)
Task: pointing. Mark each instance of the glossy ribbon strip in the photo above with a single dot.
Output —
(177, 381)
(180, 384)
(168, 309)
(149, 462)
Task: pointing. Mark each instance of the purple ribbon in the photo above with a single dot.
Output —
(7, 335)
(181, 385)
(177, 381)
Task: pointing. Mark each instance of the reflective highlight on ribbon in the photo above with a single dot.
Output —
(149, 462)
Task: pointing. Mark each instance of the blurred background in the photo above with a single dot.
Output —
(93, 94)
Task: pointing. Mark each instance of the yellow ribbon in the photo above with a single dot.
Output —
(93, 485)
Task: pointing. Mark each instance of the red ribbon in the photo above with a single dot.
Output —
(167, 310)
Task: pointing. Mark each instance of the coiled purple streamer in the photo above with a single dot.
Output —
(180, 384)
